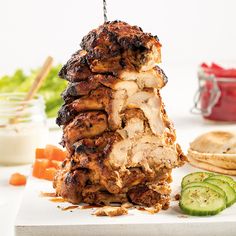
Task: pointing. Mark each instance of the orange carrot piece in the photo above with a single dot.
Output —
(49, 173)
(39, 153)
(17, 179)
(54, 153)
(39, 167)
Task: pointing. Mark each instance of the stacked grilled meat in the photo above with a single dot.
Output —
(120, 142)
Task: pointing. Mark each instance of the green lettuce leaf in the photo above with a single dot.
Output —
(51, 88)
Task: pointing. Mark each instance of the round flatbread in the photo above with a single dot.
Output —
(214, 151)
(226, 161)
(217, 142)
(209, 167)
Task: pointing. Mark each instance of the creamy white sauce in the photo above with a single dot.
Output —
(19, 141)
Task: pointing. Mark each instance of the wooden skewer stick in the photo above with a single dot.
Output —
(36, 85)
(39, 78)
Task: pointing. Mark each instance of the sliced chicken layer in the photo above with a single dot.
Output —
(150, 104)
(86, 124)
(141, 148)
(125, 95)
(146, 151)
(153, 78)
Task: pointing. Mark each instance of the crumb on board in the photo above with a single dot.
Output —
(127, 205)
(111, 211)
(153, 210)
(177, 197)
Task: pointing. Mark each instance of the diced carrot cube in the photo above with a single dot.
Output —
(39, 167)
(47, 161)
(39, 153)
(49, 173)
(54, 153)
(17, 179)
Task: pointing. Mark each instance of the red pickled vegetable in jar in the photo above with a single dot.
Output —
(217, 93)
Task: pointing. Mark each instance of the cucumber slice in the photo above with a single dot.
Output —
(229, 191)
(227, 179)
(201, 201)
(208, 185)
(195, 177)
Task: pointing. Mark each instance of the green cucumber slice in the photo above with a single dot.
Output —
(227, 179)
(229, 191)
(206, 184)
(201, 201)
(195, 177)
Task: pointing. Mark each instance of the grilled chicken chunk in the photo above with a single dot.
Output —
(143, 195)
(120, 141)
(105, 187)
(77, 68)
(86, 124)
(117, 45)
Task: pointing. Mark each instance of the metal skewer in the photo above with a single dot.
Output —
(105, 10)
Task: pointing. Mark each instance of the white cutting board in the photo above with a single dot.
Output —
(40, 217)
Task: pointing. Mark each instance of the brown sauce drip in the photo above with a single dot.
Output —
(57, 199)
(141, 209)
(45, 194)
(69, 208)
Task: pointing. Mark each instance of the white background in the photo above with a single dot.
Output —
(191, 31)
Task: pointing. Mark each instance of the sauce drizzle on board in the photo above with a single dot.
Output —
(69, 208)
(57, 199)
(45, 194)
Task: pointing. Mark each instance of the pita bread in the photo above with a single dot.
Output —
(218, 142)
(226, 161)
(208, 167)
(214, 151)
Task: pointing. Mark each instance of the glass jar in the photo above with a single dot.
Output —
(216, 95)
(22, 128)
